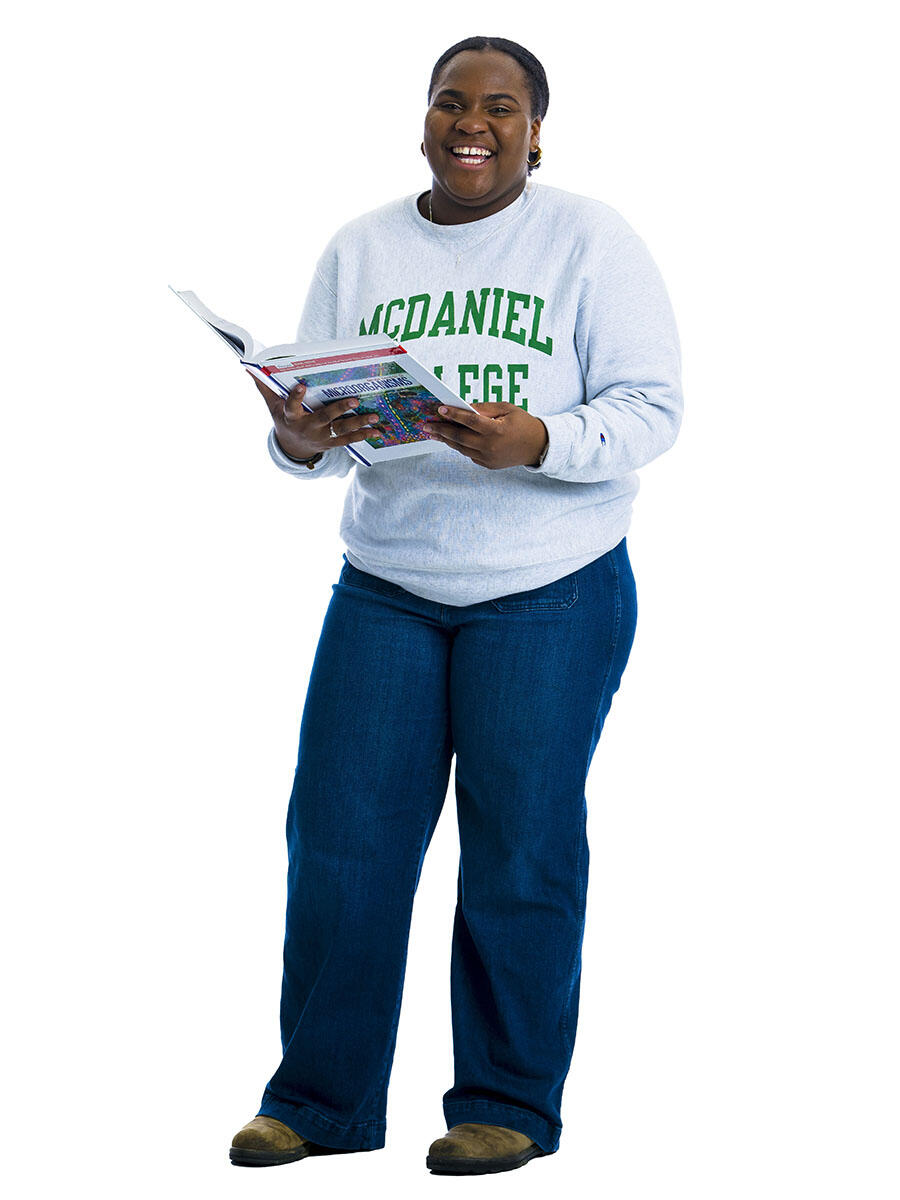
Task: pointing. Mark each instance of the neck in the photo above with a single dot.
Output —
(445, 210)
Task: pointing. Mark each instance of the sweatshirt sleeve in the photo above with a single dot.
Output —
(627, 342)
(318, 322)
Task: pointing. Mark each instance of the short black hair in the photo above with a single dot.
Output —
(538, 91)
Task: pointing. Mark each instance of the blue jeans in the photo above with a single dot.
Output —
(518, 688)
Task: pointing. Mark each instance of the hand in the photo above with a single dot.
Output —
(303, 435)
(496, 435)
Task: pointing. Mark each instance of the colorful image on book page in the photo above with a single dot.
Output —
(401, 402)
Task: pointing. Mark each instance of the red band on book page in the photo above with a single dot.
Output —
(337, 358)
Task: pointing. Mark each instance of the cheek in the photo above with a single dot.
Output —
(518, 137)
(432, 125)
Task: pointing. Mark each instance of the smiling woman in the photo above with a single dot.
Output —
(482, 128)
(495, 575)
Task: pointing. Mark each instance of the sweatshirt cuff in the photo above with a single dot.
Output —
(287, 464)
(559, 438)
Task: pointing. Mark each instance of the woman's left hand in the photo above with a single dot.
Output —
(505, 436)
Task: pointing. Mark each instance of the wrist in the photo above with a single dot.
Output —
(293, 458)
(543, 444)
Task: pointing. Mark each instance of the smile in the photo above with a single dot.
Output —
(471, 156)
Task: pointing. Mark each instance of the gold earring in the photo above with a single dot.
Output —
(534, 161)
(423, 147)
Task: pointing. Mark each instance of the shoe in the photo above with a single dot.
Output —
(480, 1150)
(265, 1142)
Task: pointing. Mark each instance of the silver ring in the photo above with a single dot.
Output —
(331, 428)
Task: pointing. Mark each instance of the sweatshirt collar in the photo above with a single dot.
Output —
(469, 231)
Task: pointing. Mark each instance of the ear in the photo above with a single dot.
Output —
(535, 132)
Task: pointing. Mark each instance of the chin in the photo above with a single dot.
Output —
(475, 191)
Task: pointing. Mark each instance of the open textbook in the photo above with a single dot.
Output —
(374, 367)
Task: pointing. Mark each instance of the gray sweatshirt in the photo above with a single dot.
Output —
(554, 304)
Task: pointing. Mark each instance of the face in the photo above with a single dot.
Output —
(480, 100)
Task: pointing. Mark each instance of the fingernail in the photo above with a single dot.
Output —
(442, 409)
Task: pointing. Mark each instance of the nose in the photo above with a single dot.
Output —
(471, 123)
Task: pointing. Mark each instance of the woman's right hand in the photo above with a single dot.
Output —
(301, 434)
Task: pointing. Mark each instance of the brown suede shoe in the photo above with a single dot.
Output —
(480, 1150)
(265, 1142)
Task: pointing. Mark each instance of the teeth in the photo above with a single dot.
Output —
(470, 151)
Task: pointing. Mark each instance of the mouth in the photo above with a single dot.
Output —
(471, 157)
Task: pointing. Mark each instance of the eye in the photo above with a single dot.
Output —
(501, 109)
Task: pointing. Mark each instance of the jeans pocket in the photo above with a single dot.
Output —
(555, 596)
(373, 583)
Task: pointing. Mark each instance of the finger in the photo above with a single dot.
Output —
(293, 405)
(337, 408)
(339, 411)
(455, 436)
(461, 416)
(348, 419)
(357, 434)
(367, 421)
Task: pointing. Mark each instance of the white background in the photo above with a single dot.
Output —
(165, 587)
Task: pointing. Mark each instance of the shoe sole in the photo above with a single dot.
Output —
(242, 1156)
(480, 1166)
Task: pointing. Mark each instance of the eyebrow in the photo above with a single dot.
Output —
(492, 96)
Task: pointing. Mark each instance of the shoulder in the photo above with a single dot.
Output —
(591, 224)
(369, 224)
(355, 241)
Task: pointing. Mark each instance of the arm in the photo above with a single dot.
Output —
(317, 323)
(628, 346)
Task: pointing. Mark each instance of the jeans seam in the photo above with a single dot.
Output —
(421, 838)
(582, 888)
(540, 605)
(380, 586)
(582, 896)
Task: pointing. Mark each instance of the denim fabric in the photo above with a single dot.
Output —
(518, 688)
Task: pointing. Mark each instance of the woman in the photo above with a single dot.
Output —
(497, 572)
